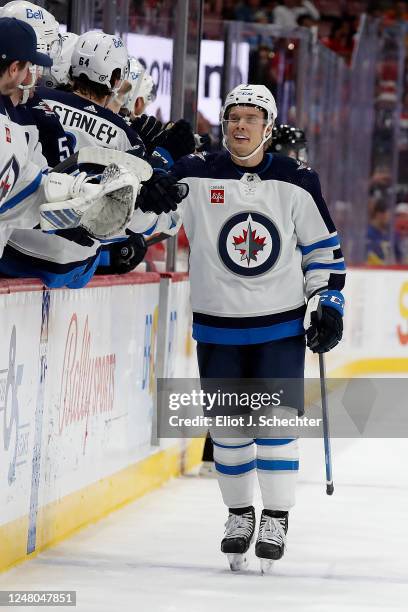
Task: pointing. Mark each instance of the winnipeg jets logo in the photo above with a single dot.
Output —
(249, 244)
(43, 106)
(8, 178)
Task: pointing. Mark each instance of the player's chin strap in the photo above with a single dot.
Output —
(265, 139)
(26, 88)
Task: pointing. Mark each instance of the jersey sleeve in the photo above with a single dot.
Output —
(322, 259)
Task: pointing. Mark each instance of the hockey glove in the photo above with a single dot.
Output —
(161, 194)
(202, 142)
(324, 321)
(126, 255)
(147, 128)
(178, 139)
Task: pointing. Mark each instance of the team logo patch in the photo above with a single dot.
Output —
(8, 178)
(249, 244)
(217, 194)
(8, 134)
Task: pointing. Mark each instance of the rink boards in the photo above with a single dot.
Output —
(77, 383)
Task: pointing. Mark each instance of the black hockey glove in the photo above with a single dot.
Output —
(161, 193)
(325, 328)
(325, 331)
(178, 140)
(148, 128)
(126, 255)
(202, 142)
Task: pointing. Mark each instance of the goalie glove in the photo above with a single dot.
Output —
(178, 140)
(103, 209)
(323, 321)
(161, 194)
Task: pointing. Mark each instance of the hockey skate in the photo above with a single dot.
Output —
(271, 541)
(239, 533)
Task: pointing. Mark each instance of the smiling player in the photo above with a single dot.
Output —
(262, 245)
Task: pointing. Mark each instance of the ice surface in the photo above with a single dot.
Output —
(161, 554)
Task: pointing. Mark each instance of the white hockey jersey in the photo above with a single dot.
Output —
(261, 241)
(20, 179)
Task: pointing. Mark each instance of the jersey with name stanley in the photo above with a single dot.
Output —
(261, 241)
(89, 124)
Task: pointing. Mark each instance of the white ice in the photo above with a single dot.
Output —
(347, 552)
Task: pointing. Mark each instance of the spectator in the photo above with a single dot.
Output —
(401, 233)
(340, 39)
(228, 10)
(378, 236)
(245, 11)
(286, 14)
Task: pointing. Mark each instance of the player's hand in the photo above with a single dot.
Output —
(178, 140)
(202, 142)
(148, 128)
(325, 331)
(161, 193)
(126, 255)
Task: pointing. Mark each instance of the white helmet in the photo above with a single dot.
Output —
(46, 28)
(250, 95)
(58, 74)
(45, 25)
(97, 55)
(142, 85)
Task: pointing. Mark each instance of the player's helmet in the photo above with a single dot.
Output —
(142, 85)
(45, 25)
(290, 141)
(58, 74)
(97, 56)
(250, 95)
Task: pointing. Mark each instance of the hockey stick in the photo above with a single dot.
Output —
(157, 238)
(326, 433)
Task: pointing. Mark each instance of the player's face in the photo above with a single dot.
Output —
(15, 75)
(245, 129)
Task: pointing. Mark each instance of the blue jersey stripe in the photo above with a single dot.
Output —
(150, 230)
(23, 194)
(232, 446)
(288, 465)
(233, 470)
(273, 441)
(326, 266)
(321, 244)
(254, 335)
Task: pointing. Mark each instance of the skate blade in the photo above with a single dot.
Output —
(237, 561)
(266, 566)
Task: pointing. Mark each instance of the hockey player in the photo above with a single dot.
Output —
(263, 246)
(61, 201)
(142, 91)
(57, 76)
(290, 141)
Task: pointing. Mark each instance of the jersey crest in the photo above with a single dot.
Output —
(8, 178)
(249, 244)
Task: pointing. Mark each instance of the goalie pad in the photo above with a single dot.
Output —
(103, 209)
